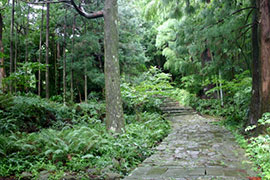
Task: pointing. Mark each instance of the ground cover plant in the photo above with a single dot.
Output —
(81, 148)
(75, 142)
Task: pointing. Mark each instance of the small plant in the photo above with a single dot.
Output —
(259, 147)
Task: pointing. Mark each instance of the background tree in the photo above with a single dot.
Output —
(2, 70)
(11, 42)
(47, 49)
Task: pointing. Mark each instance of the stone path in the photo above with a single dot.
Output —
(195, 149)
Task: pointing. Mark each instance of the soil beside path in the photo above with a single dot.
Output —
(195, 149)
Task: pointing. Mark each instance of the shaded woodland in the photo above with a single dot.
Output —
(82, 81)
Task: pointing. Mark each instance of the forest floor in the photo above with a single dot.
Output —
(197, 148)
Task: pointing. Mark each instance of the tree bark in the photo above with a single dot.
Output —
(11, 44)
(47, 50)
(255, 112)
(72, 60)
(64, 61)
(2, 70)
(27, 34)
(58, 59)
(40, 48)
(260, 102)
(265, 55)
(85, 73)
(114, 110)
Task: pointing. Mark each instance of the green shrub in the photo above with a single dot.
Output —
(32, 113)
(143, 95)
(259, 147)
(236, 100)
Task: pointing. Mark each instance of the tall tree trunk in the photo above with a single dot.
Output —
(40, 52)
(47, 50)
(59, 77)
(261, 62)
(16, 58)
(2, 70)
(255, 112)
(72, 60)
(11, 44)
(27, 34)
(114, 110)
(265, 55)
(85, 73)
(64, 61)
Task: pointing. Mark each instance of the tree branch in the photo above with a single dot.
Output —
(239, 10)
(93, 15)
(222, 20)
(45, 2)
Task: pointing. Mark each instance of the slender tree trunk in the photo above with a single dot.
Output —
(265, 55)
(11, 44)
(85, 82)
(47, 50)
(114, 110)
(58, 59)
(79, 92)
(72, 60)
(2, 70)
(27, 34)
(85, 73)
(16, 58)
(40, 50)
(64, 61)
(255, 109)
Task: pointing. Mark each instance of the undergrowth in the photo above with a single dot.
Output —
(41, 139)
(82, 147)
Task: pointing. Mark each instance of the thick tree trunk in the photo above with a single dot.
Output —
(64, 62)
(260, 102)
(2, 70)
(11, 44)
(255, 112)
(47, 50)
(114, 110)
(40, 53)
(265, 55)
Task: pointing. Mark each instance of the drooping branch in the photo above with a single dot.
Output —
(81, 11)
(45, 2)
(222, 20)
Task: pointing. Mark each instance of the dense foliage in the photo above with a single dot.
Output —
(199, 52)
(44, 138)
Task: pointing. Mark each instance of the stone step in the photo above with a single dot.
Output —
(179, 114)
(170, 102)
(176, 108)
(167, 172)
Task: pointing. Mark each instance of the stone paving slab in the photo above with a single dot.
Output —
(196, 148)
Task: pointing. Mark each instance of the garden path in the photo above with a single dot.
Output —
(196, 148)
